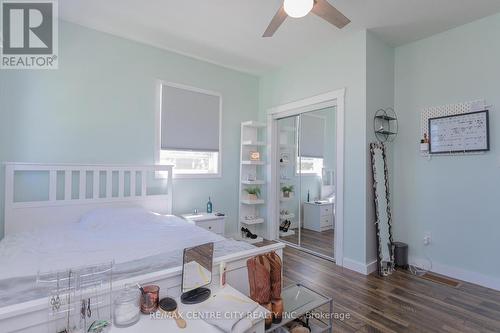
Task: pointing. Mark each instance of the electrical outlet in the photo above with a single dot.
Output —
(427, 239)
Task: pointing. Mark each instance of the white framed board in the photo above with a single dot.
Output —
(460, 133)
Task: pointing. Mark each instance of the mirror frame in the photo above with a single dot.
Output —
(382, 271)
(184, 254)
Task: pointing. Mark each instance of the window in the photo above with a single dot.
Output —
(312, 144)
(191, 162)
(189, 127)
(310, 165)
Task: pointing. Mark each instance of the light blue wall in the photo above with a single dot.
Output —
(455, 198)
(342, 65)
(98, 107)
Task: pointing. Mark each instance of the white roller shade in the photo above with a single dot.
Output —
(312, 136)
(189, 120)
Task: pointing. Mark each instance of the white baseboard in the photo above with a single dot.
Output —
(359, 267)
(458, 273)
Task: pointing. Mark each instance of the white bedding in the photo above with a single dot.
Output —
(122, 235)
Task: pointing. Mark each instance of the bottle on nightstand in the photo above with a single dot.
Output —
(209, 206)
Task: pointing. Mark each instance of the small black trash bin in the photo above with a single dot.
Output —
(401, 255)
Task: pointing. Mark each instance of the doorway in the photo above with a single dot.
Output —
(307, 175)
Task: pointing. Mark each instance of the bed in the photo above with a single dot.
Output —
(91, 214)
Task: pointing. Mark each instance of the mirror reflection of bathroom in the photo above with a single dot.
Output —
(309, 180)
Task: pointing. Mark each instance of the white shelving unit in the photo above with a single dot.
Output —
(251, 175)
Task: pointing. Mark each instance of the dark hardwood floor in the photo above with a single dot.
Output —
(399, 303)
(320, 242)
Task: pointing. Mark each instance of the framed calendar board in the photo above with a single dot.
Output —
(460, 133)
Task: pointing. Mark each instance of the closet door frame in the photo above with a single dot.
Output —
(335, 98)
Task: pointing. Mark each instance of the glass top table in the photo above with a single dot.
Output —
(299, 300)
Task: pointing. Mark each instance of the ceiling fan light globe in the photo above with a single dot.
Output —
(298, 8)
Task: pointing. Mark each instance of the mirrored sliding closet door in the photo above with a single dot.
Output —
(289, 203)
(307, 172)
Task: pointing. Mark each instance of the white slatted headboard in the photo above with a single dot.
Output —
(76, 198)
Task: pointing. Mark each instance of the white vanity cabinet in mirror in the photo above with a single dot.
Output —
(318, 216)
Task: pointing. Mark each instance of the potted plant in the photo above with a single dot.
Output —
(287, 191)
(253, 192)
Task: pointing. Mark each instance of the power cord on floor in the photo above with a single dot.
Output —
(419, 271)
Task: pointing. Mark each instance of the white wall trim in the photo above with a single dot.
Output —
(458, 273)
(356, 266)
(333, 98)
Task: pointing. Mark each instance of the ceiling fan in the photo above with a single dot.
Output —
(300, 8)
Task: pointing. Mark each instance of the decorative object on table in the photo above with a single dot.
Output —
(385, 125)
(287, 191)
(197, 273)
(259, 279)
(253, 192)
(242, 312)
(222, 274)
(149, 299)
(308, 195)
(247, 233)
(79, 298)
(99, 326)
(127, 307)
(209, 206)
(254, 156)
(385, 244)
(298, 326)
(169, 306)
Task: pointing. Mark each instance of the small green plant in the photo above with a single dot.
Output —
(253, 191)
(287, 189)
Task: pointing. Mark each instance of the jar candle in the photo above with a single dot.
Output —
(127, 308)
(150, 299)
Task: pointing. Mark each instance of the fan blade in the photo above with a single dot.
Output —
(276, 22)
(323, 9)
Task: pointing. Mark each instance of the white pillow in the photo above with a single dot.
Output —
(102, 218)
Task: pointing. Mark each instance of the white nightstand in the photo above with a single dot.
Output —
(210, 222)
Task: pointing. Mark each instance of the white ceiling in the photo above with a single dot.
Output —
(228, 32)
